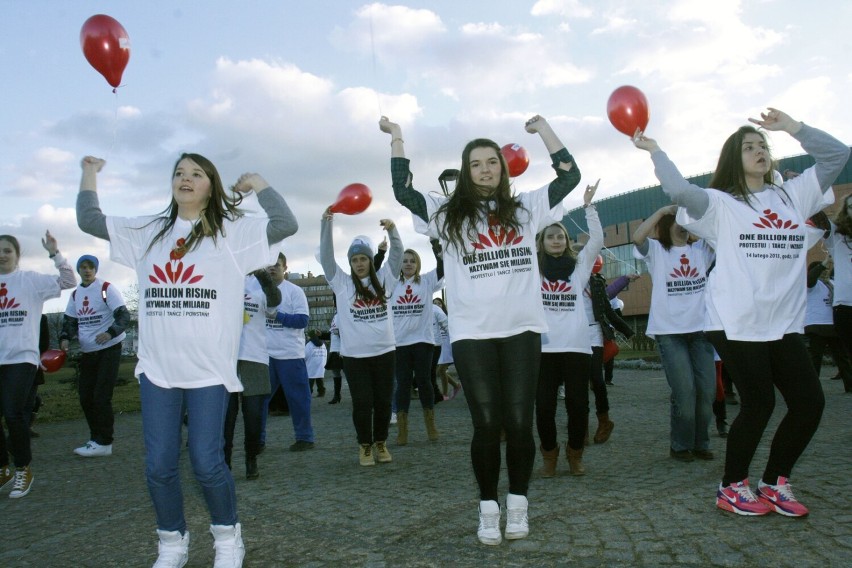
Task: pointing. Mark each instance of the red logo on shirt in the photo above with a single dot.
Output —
(86, 310)
(362, 303)
(497, 236)
(6, 303)
(174, 272)
(770, 220)
(558, 286)
(409, 297)
(684, 270)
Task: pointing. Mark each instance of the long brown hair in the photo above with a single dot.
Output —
(730, 175)
(539, 243)
(416, 256)
(466, 206)
(220, 207)
(364, 292)
(844, 222)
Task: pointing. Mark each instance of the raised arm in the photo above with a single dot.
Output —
(596, 234)
(282, 222)
(646, 229)
(673, 183)
(90, 218)
(401, 176)
(67, 279)
(567, 173)
(270, 290)
(396, 249)
(329, 265)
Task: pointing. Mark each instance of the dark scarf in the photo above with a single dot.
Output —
(558, 267)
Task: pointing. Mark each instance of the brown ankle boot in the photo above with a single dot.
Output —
(550, 458)
(401, 428)
(575, 461)
(429, 419)
(605, 427)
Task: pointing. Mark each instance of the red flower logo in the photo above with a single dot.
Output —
(684, 270)
(497, 236)
(409, 297)
(6, 303)
(362, 303)
(87, 309)
(558, 286)
(174, 272)
(770, 220)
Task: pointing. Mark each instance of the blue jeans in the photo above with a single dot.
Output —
(162, 414)
(16, 382)
(691, 373)
(292, 375)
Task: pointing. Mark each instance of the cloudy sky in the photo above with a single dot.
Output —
(293, 90)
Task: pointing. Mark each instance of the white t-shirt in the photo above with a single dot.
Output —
(94, 316)
(365, 327)
(678, 278)
(334, 332)
(492, 285)
(567, 321)
(22, 297)
(255, 311)
(818, 308)
(191, 305)
(440, 325)
(315, 358)
(841, 252)
(756, 292)
(288, 342)
(409, 302)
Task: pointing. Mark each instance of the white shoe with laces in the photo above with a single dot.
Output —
(93, 449)
(517, 524)
(489, 523)
(173, 548)
(228, 544)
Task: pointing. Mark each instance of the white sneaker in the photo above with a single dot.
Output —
(228, 544)
(393, 418)
(173, 548)
(489, 523)
(92, 449)
(517, 525)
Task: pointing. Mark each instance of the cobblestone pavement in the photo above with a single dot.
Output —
(636, 506)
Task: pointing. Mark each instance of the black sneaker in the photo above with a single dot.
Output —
(703, 454)
(682, 455)
(301, 446)
(251, 468)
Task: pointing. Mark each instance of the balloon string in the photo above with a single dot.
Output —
(114, 127)
(375, 74)
(605, 249)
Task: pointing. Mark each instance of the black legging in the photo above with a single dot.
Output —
(500, 379)
(573, 368)
(597, 380)
(370, 381)
(756, 369)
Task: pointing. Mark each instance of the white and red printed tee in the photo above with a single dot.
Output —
(756, 292)
(841, 252)
(190, 304)
(284, 342)
(818, 308)
(679, 279)
(413, 319)
(22, 297)
(366, 329)
(315, 358)
(94, 315)
(493, 284)
(253, 338)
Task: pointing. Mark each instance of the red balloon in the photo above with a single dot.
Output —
(52, 360)
(596, 267)
(516, 158)
(106, 46)
(627, 109)
(353, 199)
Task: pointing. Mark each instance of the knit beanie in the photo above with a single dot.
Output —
(360, 245)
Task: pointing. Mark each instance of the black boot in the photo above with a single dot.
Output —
(338, 384)
(251, 468)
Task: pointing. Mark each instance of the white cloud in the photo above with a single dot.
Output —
(564, 8)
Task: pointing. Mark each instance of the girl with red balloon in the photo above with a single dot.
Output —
(487, 233)
(566, 347)
(22, 297)
(367, 343)
(755, 297)
(198, 251)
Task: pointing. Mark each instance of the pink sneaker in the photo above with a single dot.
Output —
(780, 498)
(738, 498)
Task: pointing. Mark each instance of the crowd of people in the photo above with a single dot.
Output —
(526, 312)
